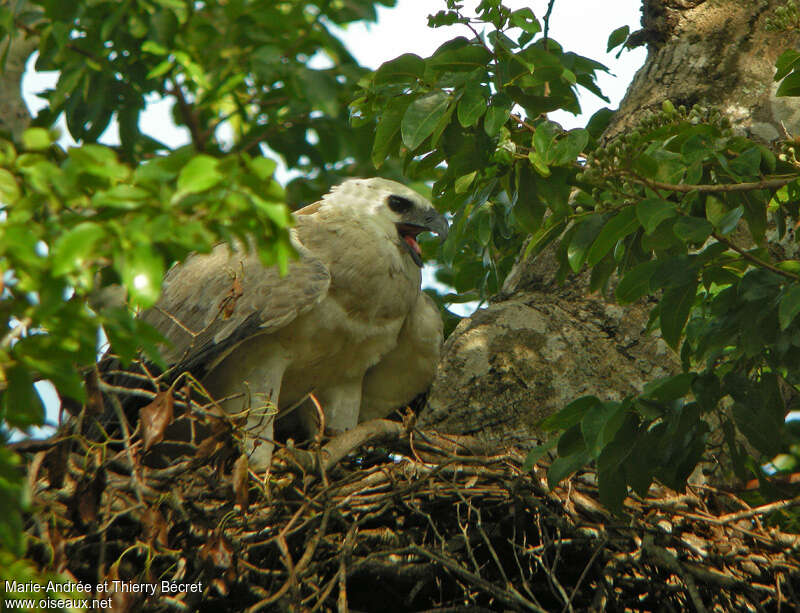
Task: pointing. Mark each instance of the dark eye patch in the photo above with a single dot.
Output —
(399, 204)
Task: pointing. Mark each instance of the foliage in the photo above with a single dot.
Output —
(455, 113)
(681, 210)
(74, 224)
(784, 18)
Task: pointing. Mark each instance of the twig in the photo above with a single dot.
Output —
(546, 20)
(717, 188)
(586, 568)
(671, 563)
(523, 123)
(188, 116)
(755, 260)
(126, 440)
(762, 510)
(344, 558)
(511, 598)
(15, 333)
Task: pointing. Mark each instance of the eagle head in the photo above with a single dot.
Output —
(387, 202)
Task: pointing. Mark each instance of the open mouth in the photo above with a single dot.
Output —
(408, 232)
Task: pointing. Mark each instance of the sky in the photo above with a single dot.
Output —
(581, 26)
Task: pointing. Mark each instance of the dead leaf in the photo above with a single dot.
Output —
(154, 527)
(94, 400)
(217, 550)
(121, 602)
(241, 479)
(155, 418)
(87, 498)
(220, 586)
(208, 447)
(56, 463)
(57, 544)
(228, 304)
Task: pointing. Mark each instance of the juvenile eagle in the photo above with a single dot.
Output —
(349, 321)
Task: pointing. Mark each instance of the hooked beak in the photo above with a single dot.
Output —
(431, 221)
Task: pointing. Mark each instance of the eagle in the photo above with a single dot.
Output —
(349, 322)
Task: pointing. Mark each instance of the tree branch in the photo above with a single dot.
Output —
(189, 117)
(757, 261)
(721, 188)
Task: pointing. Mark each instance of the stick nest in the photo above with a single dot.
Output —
(382, 518)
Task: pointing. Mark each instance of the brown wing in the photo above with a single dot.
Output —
(213, 302)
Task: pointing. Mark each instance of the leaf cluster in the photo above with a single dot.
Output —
(83, 230)
(455, 116)
(680, 210)
(683, 210)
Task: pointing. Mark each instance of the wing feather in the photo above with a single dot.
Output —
(212, 302)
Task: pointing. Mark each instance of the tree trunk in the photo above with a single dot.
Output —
(540, 344)
(14, 115)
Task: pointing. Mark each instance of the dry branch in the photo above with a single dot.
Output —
(386, 518)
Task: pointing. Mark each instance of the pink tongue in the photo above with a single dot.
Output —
(413, 243)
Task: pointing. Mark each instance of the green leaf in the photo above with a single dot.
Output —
(570, 414)
(458, 54)
(786, 63)
(199, 175)
(387, 134)
(73, 249)
(537, 453)
(561, 468)
(612, 489)
(754, 422)
(543, 139)
(728, 222)
(790, 86)
(618, 227)
(9, 190)
(421, 117)
(141, 272)
(692, 229)
(599, 122)
(529, 212)
(617, 37)
(496, 117)
(715, 209)
(652, 211)
(707, 390)
(263, 167)
(406, 68)
(636, 283)
(789, 306)
(566, 150)
(36, 139)
(20, 405)
(538, 163)
(667, 389)
(674, 311)
(571, 441)
(472, 105)
(594, 423)
(525, 19)
(585, 234)
(462, 183)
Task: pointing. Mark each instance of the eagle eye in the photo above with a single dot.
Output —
(399, 204)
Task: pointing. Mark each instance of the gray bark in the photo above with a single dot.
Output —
(14, 114)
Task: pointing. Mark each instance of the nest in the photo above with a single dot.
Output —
(385, 518)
